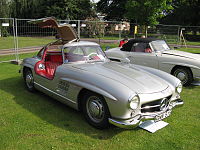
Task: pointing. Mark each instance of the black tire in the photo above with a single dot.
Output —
(95, 110)
(29, 80)
(184, 74)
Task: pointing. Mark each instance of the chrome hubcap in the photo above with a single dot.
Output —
(181, 76)
(95, 109)
(29, 80)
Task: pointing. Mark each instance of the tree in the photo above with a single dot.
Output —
(147, 12)
(4, 13)
(95, 28)
(25, 9)
(62, 9)
(186, 12)
(113, 9)
(80, 9)
(142, 12)
(4, 9)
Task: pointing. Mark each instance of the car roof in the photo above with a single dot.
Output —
(145, 40)
(128, 45)
(81, 43)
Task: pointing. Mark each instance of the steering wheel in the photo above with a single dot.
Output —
(91, 55)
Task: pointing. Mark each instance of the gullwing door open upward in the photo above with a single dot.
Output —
(65, 31)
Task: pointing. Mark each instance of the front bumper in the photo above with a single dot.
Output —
(135, 121)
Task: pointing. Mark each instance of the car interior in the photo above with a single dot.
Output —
(141, 47)
(51, 58)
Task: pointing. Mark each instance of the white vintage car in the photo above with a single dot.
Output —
(78, 74)
(157, 54)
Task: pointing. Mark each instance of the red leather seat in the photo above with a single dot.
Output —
(51, 68)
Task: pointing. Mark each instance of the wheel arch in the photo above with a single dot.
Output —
(25, 68)
(92, 114)
(81, 94)
(80, 97)
(179, 66)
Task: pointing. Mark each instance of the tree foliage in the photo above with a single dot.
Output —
(186, 12)
(25, 9)
(113, 9)
(68, 9)
(4, 9)
(62, 9)
(147, 12)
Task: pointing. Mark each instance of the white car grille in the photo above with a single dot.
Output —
(156, 106)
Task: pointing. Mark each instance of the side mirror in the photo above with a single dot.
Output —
(107, 47)
(41, 66)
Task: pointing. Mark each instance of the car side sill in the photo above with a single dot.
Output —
(55, 93)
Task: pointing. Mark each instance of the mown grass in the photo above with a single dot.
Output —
(104, 47)
(36, 121)
(190, 50)
(8, 42)
(13, 57)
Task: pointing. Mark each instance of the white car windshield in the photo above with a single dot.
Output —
(160, 45)
(83, 54)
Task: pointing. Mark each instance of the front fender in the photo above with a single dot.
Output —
(173, 81)
(181, 64)
(91, 88)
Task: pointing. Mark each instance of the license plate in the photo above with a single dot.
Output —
(162, 116)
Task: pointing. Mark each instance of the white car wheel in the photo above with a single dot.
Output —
(183, 74)
(95, 110)
(29, 80)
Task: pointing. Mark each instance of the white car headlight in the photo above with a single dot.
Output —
(134, 102)
(179, 88)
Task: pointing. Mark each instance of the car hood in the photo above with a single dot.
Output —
(65, 31)
(182, 54)
(135, 79)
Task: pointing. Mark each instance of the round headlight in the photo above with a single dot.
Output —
(134, 102)
(179, 88)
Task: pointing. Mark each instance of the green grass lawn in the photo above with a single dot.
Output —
(21, 56)
(191, 50)
(36, 121)
(104, 46)
(8, 42)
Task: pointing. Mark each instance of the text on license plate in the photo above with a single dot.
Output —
(162, 116)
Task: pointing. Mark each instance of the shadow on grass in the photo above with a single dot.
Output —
(52, 111)
(191, 87)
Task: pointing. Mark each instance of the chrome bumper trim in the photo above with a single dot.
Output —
(134, 122)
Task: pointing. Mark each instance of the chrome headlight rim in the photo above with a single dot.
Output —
(134, 102)
(179, 88)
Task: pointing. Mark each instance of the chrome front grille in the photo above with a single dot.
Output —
(155, 106)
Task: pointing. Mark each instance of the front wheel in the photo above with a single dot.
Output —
(183, 74)
(29, 80)
(95, 110)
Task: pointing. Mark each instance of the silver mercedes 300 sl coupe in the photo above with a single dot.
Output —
(157, 54)
(78, 74)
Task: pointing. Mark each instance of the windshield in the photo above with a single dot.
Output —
(160, 45)
(83, 54)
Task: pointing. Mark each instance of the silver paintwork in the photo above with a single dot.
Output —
(162, 60)
(115, 81)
